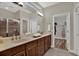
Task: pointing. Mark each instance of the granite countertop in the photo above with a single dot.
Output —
(8, 45)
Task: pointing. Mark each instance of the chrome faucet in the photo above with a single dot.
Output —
(15, 35)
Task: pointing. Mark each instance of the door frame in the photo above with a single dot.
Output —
(76, 50)
(68, 20)
(76, 11)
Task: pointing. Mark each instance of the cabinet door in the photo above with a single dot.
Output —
(31, 48)
(40, 46)
(32, 51)
(47, 42)
(20, 54)
(13, 51)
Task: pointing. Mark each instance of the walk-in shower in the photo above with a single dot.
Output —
(60, 28)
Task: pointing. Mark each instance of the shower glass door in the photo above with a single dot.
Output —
(61, 30)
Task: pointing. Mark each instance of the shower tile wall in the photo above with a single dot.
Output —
(60, 43)
(61, 26)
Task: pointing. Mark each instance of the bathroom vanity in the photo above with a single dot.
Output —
(27, 46)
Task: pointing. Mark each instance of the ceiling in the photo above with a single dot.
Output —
(13, 7)
(28, 6)
(47, 4)
(9, 6)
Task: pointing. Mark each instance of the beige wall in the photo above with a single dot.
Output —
(59, 9)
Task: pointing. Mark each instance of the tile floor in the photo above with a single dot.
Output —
(57, 52)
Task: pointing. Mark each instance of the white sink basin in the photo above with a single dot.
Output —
(36, 35)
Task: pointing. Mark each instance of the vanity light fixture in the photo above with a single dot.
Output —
(39, 13)
(19, 4)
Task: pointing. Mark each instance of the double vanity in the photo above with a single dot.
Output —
(28, 46)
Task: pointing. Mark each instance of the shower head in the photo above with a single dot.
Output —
(55, 23)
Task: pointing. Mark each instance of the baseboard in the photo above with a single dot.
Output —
(72, 52)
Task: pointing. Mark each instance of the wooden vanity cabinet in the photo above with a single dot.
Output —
(40, 46)
(20, 54)
(47, 42)
(13, 51)
(20, 50)
(31, 48)
(34, 48)
(6, 52)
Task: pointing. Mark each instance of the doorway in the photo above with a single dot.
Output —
(61, 31)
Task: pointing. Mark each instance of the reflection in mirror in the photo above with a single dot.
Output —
(25, 26)
(9, 27)
(34, 26)
(3, 23)
(13, 27)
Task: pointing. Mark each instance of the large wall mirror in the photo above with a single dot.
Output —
(9, 27)
(3, 27)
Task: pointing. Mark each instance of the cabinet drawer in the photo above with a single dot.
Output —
(7, 52)
(12, 51)
(20, 54)
(31, 44)
(18, 49)
(31, 48)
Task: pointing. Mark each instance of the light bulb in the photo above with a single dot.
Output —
(20, 3)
